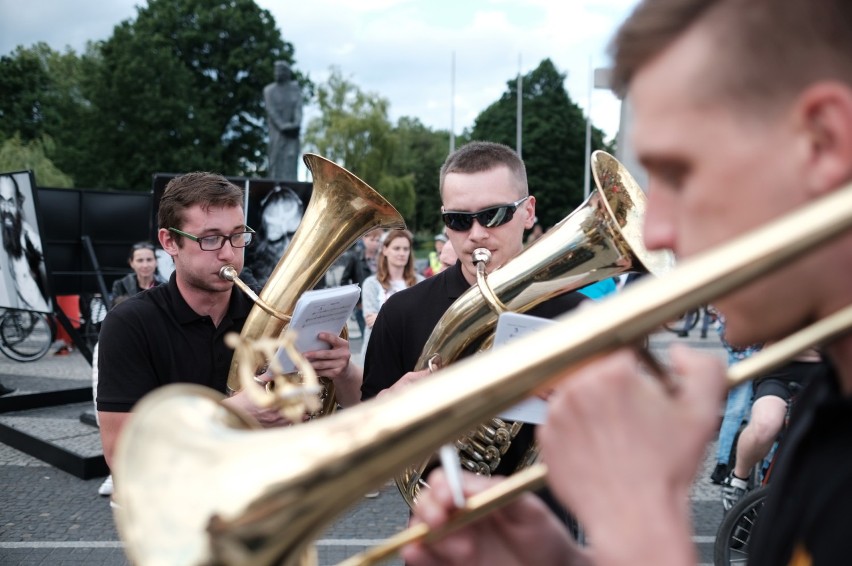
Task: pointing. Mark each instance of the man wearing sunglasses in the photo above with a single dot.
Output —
(486, 204)
(175, 332)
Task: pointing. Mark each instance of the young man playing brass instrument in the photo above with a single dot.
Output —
(743, 113)
(486, 204)
(175, 332)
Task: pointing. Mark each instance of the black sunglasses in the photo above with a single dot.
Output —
(490, 217)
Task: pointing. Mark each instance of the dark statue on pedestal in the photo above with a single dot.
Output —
(283, 100)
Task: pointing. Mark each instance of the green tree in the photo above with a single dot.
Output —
(353, 129)
(22, 80)
(17, 155)
(41, 95)
(553, 142)
(180, 88)
(420, 152)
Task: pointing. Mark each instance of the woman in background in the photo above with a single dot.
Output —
(395, 272)
(143, 262)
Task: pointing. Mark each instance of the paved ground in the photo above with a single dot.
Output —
(51, 517)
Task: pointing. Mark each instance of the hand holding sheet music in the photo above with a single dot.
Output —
(321, 310)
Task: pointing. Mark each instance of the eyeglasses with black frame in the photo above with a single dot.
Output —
(490, 217)
(217, 242)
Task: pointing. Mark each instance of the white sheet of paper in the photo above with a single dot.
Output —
(511, 326)
(321, 310)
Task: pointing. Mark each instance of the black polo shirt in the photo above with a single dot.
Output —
(404, 325)
(155, 338)
(808, 513)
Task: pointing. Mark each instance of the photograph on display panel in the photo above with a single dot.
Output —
(275, 211)
(23, 272)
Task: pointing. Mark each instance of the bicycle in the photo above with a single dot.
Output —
(26, 336)
(689, 320)
(734, 533)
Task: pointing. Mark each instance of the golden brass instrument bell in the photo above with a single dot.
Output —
(342, 209)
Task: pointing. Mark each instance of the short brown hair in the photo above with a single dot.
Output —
(767, 50)
(478, 156)
(198, 188)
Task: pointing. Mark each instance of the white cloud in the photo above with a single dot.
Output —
(404, 51)
(400, 49)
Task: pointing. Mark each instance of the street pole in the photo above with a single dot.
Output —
(453, 103)
(588, 164)
(520, 117)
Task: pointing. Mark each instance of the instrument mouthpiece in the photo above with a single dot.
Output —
(228, 272)
(481, 255)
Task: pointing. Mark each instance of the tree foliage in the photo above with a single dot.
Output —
(353, 129)
(420, 153)
(179, 88)
(41, 103)
(17, 155)
(553, 139)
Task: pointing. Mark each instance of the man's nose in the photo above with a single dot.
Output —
(227, 251)
(477, 231)
(659, 231)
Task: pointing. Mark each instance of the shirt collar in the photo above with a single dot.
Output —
(456, 283)
(239, 305)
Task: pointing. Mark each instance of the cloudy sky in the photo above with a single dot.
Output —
(402, 50)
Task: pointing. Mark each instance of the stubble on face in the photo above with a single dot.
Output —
(470, 192)
(199, 268)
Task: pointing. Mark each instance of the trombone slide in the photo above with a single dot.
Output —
(535, 477)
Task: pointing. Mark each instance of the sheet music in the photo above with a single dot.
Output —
(511, 326)
(321, 310)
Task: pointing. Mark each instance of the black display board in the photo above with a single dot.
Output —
(113, 221)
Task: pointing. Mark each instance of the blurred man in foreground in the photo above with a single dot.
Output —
(743, 112)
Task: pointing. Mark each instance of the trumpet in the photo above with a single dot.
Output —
(195, 487)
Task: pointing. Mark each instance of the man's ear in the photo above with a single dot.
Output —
(529, 221)
(167, 241)
(826, 109)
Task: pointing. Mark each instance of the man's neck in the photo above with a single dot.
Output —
(206, 303)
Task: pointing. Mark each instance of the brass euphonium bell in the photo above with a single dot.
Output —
(342, 208)
(602, 238)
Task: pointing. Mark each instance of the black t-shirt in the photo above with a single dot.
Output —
(403, 327)
(155, 338)
(809, 509)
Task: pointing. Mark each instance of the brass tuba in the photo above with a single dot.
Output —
(342, 208)
(195, 488)
(602, 238)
